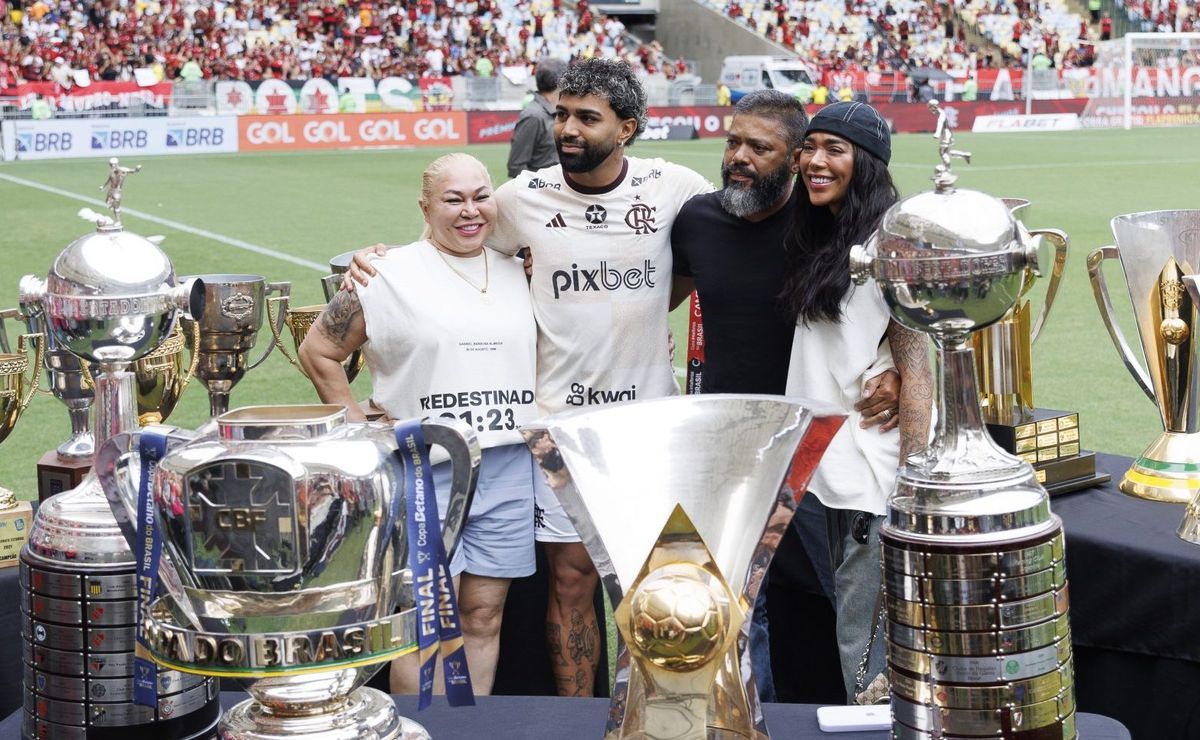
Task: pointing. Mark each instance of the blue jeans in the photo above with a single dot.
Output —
(858, 575)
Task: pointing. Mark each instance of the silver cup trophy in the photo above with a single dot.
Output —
(68, 382)
(1157, 250)
(111, 297)
(975, 586)
(233, 316)
(284, 561)
(681, 503)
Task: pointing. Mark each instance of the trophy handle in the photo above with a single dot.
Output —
(460, 442)
(284, 289)
(8, 313)
(1060, 241)
(35, 378)
(1095, 264)
(276, 324)
(191, 371)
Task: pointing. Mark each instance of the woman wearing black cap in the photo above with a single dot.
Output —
(838, 346)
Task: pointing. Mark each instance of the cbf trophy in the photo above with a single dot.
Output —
(1157, 250)
(681, 503)
(233, 316)
(975, 584)
(111, 298)
(1048, 439)
(300, 320)
(285, 558)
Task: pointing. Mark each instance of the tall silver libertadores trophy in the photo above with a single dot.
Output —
(285, 558)
(111, 297)
(234, 307)
(975, 585)
(681, 503)
(1157, 250)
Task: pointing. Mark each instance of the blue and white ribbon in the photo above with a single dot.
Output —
(145, 673)
(439, 628)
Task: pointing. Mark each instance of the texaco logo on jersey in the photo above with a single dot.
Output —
(596, 216)
(640, 218)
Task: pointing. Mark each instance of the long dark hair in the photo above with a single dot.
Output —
(818, 246)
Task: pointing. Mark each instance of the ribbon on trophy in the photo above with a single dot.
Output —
(145, 673)
(439, 628)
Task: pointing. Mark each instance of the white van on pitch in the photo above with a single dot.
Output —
(745, 74)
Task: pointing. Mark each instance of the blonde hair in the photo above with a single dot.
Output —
(434, 171)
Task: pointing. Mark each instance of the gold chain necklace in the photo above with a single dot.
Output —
(487, 275)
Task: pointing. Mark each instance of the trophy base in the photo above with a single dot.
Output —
(1168, 470)
(1070, 474)
(366, 714)
(1040, 436)
(56, 474)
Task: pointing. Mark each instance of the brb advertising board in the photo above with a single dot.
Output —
(104, 137)
(351, 131)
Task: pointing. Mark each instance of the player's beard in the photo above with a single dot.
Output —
(587, 160)
(763, 191)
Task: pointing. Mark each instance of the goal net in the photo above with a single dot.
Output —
(1141, 79)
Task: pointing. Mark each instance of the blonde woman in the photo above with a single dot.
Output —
(451, 333)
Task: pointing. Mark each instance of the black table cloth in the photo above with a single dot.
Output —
(554, 718)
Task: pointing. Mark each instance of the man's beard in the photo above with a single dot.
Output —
(585, 161)
(764, 190)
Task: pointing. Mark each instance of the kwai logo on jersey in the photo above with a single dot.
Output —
(596, 215)
(538, 183)
(605, 277)
(582, 395)
(640, 218)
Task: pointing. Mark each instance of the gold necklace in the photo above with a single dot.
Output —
(487, 275)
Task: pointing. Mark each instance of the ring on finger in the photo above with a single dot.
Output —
(887, 414)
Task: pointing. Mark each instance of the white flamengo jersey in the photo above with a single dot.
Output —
(439, 347)
(601, 280)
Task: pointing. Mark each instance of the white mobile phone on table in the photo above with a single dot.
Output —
(854, 718)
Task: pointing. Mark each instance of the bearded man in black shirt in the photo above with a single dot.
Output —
(728, 246)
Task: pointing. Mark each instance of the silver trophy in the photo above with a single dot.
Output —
(681, 503)
(285, 560)
(1157, 250)
(975, 586)
(111, 298)
(234, 307)
(338, 267)
(68, 381)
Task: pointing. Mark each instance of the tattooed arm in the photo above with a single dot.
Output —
(910, 351)
(337, 332)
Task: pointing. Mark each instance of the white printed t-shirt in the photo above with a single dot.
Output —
(438, 347)
(601, 280)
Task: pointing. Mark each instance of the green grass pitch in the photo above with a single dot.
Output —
(313, 206)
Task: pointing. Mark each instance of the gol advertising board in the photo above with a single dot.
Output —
(351, 131)
(105, 137)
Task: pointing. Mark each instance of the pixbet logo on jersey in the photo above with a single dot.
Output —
(602, 278)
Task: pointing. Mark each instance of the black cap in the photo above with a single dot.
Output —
(858, 123)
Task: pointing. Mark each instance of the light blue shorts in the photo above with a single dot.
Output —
(497, 540)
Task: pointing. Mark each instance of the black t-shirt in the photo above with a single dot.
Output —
(738, 268)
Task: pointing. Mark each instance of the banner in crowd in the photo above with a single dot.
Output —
(94, 96)
(1110, 112)
(319, 95)
(351, 131)
(104, 137)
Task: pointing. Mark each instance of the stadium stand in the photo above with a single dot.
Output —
(241, 39)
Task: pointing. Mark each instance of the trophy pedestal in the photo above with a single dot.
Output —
(365, 713)
(1049, 441)
(14, 530)
(55, 475)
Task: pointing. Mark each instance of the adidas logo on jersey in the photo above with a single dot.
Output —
(558, 222)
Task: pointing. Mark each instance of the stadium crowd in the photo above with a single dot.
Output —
(297, 39)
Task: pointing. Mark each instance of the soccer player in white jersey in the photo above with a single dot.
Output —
(598, 228)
